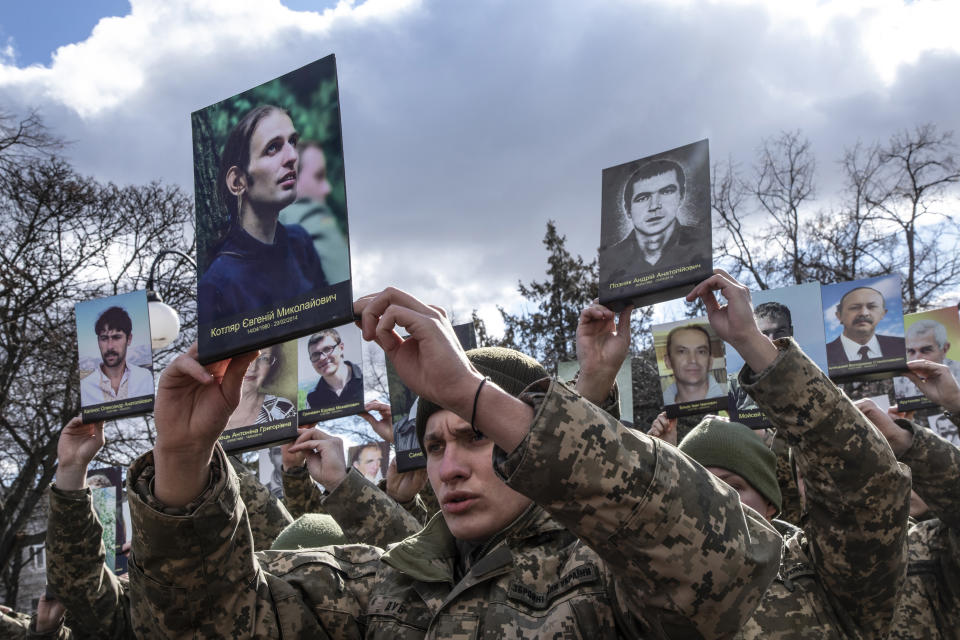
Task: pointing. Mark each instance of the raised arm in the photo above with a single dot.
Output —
(267, 515)
(365, 513)
(686, 556)
(76, 571)
(857, 496)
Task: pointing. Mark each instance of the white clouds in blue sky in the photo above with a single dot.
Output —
(467, 125)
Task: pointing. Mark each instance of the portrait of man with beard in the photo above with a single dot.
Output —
(114, 379)
(859, 311)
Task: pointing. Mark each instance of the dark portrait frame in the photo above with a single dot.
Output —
(686, 255)
(251, 294)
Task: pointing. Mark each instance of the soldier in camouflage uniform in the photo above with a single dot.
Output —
(614, 535)
(46, 624)
(97, 601)
(267, 515)
(840, 574)
(930, 605)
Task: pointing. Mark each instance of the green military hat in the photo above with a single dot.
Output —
(735, 447)
(510, 370)
(308, 531)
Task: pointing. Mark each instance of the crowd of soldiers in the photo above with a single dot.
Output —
(539, 514)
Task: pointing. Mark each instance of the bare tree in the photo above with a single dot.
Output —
(67, 238)
(917, 170)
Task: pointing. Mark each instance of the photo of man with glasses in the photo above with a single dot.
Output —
(341, 381)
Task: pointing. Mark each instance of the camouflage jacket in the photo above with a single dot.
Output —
(13, 625)
(633, 540)
(366, 514)
(306, 497)
(300, 494)
(840, 573)
(97, 603)
(267, 515)
(18, 626)
(930, 606)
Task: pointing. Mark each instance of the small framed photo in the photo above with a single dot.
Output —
(863, 326)
(692, 364)
(932, 335)
(115, 357)
(656, 234)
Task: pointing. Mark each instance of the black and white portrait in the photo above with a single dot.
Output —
(655, 217)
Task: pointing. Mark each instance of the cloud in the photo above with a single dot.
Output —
(468, 125)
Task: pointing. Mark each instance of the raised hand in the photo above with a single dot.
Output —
(382, 427)
(430, 361)
(603, 341)
(193, 405)
(292, 460)
(900, 439)
(664, 428)
(936, 382)
(734, 322)
(404, 487)
(325, 460)
(79, 443)
(50, 613)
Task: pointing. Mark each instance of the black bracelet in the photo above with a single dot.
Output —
(473, 416)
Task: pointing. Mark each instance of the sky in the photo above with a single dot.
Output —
(468, 125)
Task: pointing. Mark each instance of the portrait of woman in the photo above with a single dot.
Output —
(256, 405)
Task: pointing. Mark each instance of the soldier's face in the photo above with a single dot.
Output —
(924, 347)
(476, 504)
(862, 310)
(689, 356)
(655, 203)
(113, 345)
(748, 495)
(775, 327)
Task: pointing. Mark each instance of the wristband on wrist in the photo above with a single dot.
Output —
(473, 415)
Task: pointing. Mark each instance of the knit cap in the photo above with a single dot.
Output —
(308, 531)
(510, 370)
(735, 447)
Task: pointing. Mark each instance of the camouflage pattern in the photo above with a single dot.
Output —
(366, 514)
(791, 509)
(13, 625)
(632, 540)
(841, 573)
(267, 515)
(97, 603)
(930, 605)
(379, 520)
(300, 494)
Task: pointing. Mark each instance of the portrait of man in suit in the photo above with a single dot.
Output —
(859, 311)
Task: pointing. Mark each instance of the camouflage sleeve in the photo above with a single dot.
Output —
(366, 514)
(13, 625)
(935, 464)
(300, 494)
(685, 557)
(267, 515)
(193, 572)
(98, 602)
(857, 496)
(610, 404)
